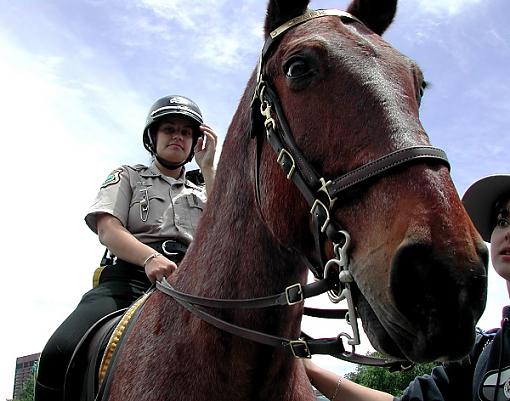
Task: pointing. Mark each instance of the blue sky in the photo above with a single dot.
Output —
(77, 79)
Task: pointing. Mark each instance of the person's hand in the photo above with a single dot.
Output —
(159, 267)
(206, 148)
(309, 365)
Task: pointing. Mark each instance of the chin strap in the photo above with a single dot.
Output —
(170, 165)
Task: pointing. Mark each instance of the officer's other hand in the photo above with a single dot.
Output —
(205, 148)
(159, 267)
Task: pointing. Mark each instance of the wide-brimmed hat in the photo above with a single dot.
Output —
(480, 198)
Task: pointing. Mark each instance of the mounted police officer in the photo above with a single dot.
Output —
(146, 216)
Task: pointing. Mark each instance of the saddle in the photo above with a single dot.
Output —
(87, 373)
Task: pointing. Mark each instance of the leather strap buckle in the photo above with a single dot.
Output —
(300, 349)
(323, 218)
(287, 163)
(294, 294)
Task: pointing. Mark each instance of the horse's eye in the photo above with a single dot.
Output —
(421, 92)
(296, 67)
(423, 86)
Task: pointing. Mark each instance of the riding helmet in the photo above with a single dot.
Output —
(168, 106)
(480, 199)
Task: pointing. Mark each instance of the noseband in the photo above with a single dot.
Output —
(333, 275)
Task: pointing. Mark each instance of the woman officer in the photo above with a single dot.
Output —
(146, 216)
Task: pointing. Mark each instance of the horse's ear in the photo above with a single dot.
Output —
(375, 14)
(280, 11)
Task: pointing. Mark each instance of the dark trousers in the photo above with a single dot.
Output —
(119, 286)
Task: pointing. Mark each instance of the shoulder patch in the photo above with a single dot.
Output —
(113, 178)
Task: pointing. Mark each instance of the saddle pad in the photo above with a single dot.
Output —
(116, 336)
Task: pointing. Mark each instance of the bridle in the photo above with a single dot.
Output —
(320, 194)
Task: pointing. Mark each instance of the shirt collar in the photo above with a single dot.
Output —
(153, 171)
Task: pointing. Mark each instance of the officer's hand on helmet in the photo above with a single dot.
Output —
(206, 148)
(159, 267)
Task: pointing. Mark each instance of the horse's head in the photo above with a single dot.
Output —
(349, 98)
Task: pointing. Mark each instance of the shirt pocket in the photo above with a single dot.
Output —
(145, 211)
(194, 207)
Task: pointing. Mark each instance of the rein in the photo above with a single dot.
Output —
(321, 195)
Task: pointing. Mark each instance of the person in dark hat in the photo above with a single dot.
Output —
(146, 217)
(483, 375)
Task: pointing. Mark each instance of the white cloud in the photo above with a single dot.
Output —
(449, 7)
(200, 30)
(187, 15)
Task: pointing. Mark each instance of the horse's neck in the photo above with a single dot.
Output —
(235, 257)
(234, 253)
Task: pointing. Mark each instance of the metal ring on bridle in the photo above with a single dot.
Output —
(349, 341)
(342, 261)
(333, 296)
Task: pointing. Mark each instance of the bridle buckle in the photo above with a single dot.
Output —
(300, 349)
(283, 156)
(290, 294)
(316, 204)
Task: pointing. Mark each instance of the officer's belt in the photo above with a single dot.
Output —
(169, 247)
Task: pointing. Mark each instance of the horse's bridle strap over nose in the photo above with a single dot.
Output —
(319, 192)
(298, 169)
(385, 163)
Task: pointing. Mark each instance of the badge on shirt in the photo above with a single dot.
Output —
(496, 381)
(113, 178)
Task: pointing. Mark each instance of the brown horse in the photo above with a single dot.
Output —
(418, 265)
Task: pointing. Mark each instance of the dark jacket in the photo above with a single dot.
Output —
(472, 378)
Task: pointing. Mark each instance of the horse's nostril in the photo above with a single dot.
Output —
(415, 284)
(437, 293)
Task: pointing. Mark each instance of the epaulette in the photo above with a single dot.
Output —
(137, 167)
(196, 177)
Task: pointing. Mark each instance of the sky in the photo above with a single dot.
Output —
(77, 79)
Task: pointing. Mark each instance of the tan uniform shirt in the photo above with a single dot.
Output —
(151, 206)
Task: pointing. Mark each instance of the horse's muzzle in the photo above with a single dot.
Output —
(441, 295)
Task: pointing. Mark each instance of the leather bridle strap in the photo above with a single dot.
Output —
(319, 193)
(300, 348)
(297, 168)
(335, 348)
(292, 295)
(276, 34)
(383, 164)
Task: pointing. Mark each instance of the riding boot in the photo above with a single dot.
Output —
(45, 393)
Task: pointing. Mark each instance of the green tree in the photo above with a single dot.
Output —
(382, 379)
(27, 394)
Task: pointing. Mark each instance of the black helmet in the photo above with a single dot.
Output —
(165, 107)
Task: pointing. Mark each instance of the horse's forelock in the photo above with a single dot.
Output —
(280, 11)
(375, 14)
